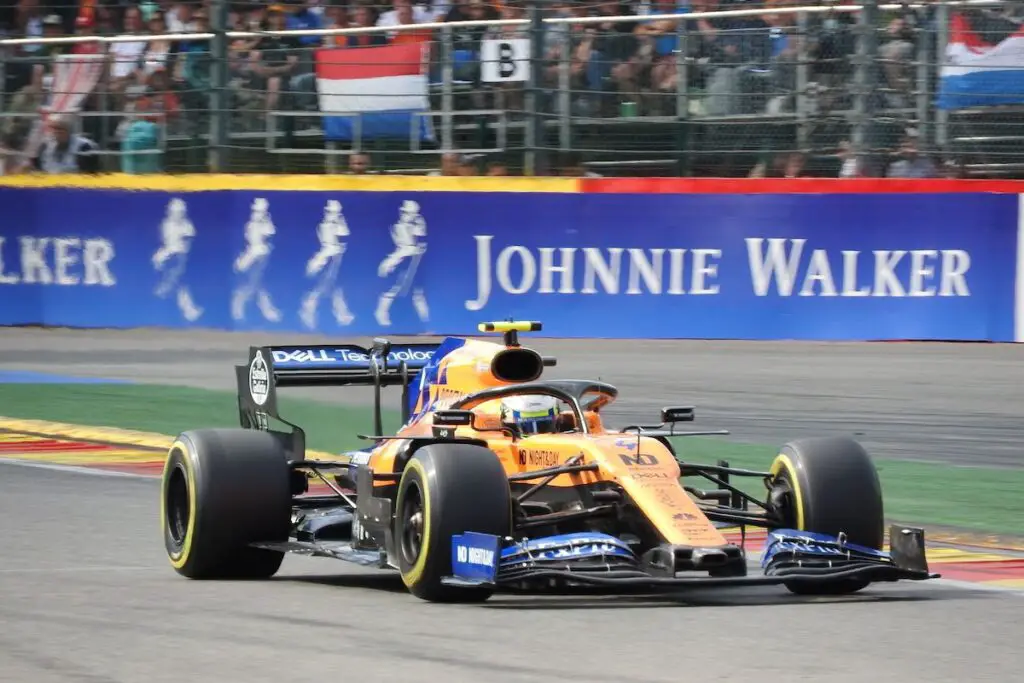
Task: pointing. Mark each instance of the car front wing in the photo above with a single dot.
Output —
(788, 557)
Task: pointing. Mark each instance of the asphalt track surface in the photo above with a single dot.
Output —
(86, 593)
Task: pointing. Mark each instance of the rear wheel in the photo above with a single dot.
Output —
(447, 489)
(222, 490)
(829, 486)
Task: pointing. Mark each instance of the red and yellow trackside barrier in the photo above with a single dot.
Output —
(201, 182)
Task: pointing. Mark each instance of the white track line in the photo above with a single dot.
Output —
(75, 469)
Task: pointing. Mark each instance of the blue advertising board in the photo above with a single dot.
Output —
(743, 266)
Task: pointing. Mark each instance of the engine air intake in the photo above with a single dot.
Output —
(517, 365)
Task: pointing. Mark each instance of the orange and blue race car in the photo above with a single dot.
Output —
(499, 478)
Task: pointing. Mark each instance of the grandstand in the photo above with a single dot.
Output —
(609, 87)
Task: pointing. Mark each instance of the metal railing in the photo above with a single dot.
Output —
(809, 90)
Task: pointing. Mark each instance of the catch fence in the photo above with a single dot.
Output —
(825, 90)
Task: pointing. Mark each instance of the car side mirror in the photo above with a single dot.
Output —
(446, 421)
(677, 414)
(453, 418)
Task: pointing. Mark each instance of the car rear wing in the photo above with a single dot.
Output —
(308, 365)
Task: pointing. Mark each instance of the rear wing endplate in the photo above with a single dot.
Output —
(271, 367)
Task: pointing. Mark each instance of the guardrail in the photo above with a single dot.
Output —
(828, 260)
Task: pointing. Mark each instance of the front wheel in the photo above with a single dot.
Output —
(447, 489)
(828, 486)
(222, 490)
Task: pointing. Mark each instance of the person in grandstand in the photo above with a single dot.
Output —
(497, 167)
(362, 16)
(359, 164)
(127, 58)
(271, 64)
(910, 162)
(451, 164)
(305, 17)
(570, 164)
(10, 160)
(66, 151)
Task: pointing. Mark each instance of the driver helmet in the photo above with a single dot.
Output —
(534, 414)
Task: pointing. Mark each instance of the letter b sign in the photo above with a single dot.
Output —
(506, 60)
(506, 67)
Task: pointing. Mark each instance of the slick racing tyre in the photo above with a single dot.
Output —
(223, 489)
(828, 486)
(447, 489)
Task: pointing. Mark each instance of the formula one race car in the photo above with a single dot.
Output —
(498, 479)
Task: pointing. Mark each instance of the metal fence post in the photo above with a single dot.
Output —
(801, 105)
(565, 93)
(532, 101)
(219, 109)
(447, 91)
(682, 98)
(941, 115)
(3, 75)
(923, 78)
(866, 80)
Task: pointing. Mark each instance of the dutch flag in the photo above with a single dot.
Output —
(374, 92)
(978, 73)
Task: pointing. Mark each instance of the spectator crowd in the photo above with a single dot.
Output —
(736, 65)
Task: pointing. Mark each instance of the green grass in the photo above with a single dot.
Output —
(971, 498)
(979, 499)
(173, 409)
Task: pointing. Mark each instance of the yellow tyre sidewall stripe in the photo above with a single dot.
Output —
(179, 559)
(415, 573)
(783, 462)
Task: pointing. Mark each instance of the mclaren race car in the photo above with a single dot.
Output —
(501, 479)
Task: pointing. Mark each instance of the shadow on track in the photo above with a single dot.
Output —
(708, 598)
(385, 581)
(602, 598)
(748, 596)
